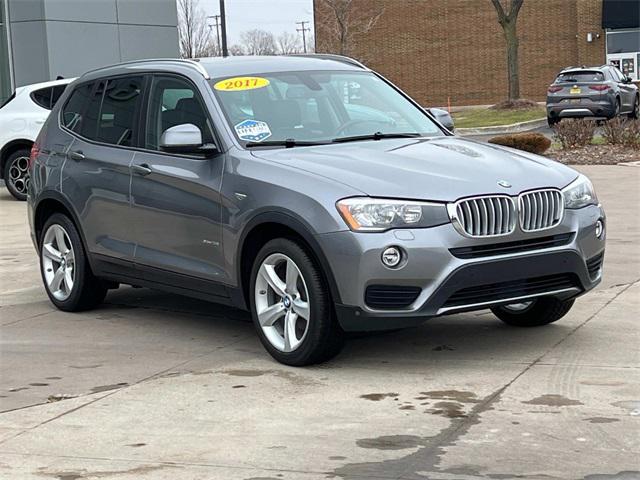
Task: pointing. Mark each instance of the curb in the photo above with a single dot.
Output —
(629, 164)
(502, 129)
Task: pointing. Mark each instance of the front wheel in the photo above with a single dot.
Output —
(551, 121)
(66, 273)
(533, 313)
(291, 306)
(16, 174)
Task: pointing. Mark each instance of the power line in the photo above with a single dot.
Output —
(216, 19)
(304, 31)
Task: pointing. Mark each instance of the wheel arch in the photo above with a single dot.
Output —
(54, 202)
(11, 147)
(265, 227)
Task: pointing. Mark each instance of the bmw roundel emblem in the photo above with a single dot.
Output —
(504, 183)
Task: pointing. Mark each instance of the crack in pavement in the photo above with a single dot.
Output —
(118, 390)
(427, 458)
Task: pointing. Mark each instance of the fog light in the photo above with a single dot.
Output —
(599, 229)
(391, 257)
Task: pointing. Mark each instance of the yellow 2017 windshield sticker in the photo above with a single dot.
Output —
(237, 84)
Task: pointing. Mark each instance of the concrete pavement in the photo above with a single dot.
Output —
(154, 386)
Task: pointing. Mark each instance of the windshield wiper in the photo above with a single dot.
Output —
(375, 136)
(288, 143)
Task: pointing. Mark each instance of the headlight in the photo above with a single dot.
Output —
(579, 193)
(364, 214)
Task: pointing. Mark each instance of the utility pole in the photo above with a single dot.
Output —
(304, 31)
(216, 19)
(223, 28)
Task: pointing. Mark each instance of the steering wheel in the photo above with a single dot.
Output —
(341, 129)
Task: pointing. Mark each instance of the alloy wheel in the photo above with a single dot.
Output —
(58, 262)
(19, 175)
(282, 302)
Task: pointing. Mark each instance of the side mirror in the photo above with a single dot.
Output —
(443, 117)
(626, 79)
(185, 138)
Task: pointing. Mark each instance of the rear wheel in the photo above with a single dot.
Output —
(635, 113)
(534, 313)
(67, 277)
(16, 174)
(291, 306)
(617, 111)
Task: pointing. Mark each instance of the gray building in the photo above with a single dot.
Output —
(42, 39)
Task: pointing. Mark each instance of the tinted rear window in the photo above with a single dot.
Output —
(42, 97)
(575, 77)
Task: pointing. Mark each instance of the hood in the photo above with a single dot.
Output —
(439, 169)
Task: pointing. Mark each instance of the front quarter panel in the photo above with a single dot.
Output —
(254, 188)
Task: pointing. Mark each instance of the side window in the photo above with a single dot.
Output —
(56, 93)
(617, 76)
(118, 113)
(42, 97)
(174, 101)
(73, 111)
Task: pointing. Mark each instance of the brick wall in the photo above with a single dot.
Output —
(435, 49)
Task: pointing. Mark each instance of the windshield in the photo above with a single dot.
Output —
(317, 107)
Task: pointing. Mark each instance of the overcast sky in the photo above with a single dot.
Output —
(275, 16)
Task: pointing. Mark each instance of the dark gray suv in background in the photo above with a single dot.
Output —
(580, 92)
(308, 190)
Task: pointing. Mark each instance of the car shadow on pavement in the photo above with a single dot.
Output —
(469, 336)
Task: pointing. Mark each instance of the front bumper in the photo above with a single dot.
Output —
(445, 280)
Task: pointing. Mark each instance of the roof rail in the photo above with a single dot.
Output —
(331, 56)
(182, 61)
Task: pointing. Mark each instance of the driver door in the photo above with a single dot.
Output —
(176, 198)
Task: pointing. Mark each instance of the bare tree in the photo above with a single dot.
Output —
(258, 42)
(508, 23)
(289, 43)
(194, 35)
(341, 23)
(236, 50)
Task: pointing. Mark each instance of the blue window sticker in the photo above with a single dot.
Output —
(253, 131)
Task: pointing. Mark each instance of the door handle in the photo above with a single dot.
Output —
(77, 156)
(142, 169)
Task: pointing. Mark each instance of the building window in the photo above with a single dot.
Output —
(5, 73)
(623, 51)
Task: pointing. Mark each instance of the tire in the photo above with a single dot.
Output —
(76, 288)
(541, 311)
(310, 340)
(616, 113)
(635, 113)
(551, 121)
(16, 174)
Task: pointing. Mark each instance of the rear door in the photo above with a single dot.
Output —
(627, 91)
(176, 198)
(103, 119)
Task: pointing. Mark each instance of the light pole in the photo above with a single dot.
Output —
(223, 28)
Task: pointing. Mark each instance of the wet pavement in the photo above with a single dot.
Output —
(155, 386)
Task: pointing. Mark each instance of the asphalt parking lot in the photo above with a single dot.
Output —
(154, 386)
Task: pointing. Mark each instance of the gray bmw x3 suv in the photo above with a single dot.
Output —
(308, 190)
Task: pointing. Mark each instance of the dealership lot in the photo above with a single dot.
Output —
(158, 386)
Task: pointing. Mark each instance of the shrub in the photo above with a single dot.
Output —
(521, 103)
(574, 133)
(631, 134)
(613, 131)
(529, 142)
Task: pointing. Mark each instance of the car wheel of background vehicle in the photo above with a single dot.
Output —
(291, 306)
(635, 113)
(66, 273)
(534, 313)
(16, 174)
(551, 121)
(617, 110)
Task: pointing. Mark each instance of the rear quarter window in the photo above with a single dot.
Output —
(42, 98)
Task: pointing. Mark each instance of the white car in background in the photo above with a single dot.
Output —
(21, 118)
